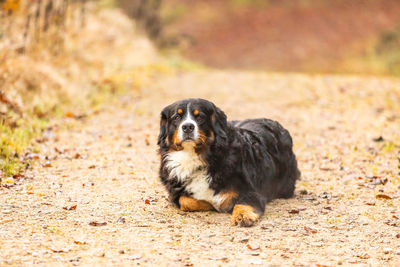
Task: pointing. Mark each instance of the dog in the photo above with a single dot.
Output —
(208, 163)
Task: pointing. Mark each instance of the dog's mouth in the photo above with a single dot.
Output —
(188, 140)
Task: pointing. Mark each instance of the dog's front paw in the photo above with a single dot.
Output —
(244, 215)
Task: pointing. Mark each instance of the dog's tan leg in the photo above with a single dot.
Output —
(190, 204)
(244, 215)
(228, 201)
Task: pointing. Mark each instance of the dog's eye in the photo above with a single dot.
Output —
(176, 118)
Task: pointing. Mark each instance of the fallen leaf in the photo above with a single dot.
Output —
(294, 211)
(383, 196)
(69, 115)
(31, 156)
(364, 257)
(58, 150)
(327, 167)
(94, 223)
(18, 176)
(79, 242)
(147, 202)
(121, 220)
(73, 207)
(244, 240)
(59, 250)
(370, 203)
(253, 246)
(92, 166)
(134, 257)
(310, 230)
(398, 235)
(390, 223)
(378, 139)
(47, 164)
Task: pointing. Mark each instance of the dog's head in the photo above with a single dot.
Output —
(191, 121)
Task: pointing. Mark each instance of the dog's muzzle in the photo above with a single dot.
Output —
(188, 132)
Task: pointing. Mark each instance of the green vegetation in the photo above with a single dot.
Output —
(387, 51)
(15, 140)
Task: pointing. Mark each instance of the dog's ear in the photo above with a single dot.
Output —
(220, 124)
(163, 128)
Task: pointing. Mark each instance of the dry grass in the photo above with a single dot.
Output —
(65, 69)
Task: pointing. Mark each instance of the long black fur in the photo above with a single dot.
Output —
(252, 157)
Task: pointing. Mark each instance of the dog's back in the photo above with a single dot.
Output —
(277, 145)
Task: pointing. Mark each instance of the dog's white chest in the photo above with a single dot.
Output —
(186, 166)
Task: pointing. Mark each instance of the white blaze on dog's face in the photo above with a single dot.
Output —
(188, 130)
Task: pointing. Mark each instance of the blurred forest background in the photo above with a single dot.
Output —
(58, 57)
(340, 36)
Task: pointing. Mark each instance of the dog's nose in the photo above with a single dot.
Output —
(188, 127)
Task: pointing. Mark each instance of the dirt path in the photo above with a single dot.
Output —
(107, 167)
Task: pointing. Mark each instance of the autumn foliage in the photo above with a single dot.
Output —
(26, 22)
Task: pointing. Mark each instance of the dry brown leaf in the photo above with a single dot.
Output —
(72, 207)
(364, 257)
(47, 164)
(94, 223)
(253, 246)
(310, 230)
(293, 211)
(383, 196)
(80, 242)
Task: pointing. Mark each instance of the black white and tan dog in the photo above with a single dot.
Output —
(208, 163)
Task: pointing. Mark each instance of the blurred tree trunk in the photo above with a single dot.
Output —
(146, 13)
